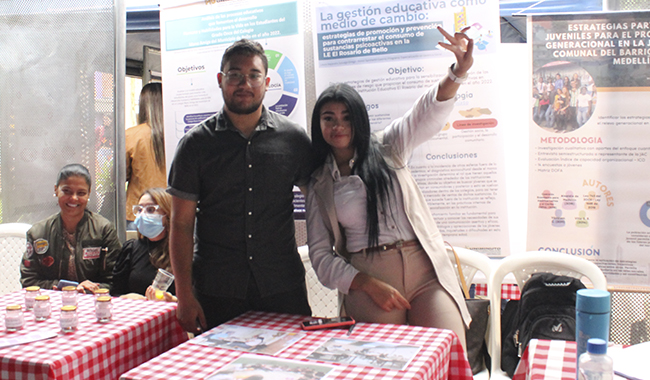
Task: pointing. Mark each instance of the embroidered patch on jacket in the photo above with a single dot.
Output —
(47, 261)
(41, 246)
(91, 253)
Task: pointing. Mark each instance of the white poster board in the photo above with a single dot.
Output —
(388, 52)
(588, 193)
(193, 38)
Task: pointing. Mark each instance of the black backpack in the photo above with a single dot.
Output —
(546, 310)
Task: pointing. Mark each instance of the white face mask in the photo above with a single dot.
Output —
(149, 225)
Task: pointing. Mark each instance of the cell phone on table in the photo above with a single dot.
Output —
(327, 323)
(64, 283)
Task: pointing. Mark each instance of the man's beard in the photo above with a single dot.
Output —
(241, 110)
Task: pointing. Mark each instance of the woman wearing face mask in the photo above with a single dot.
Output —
(138, 263)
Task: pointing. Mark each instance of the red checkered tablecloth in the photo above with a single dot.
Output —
(547, 359)
(441, 356)
(138, 331)
(508, 291)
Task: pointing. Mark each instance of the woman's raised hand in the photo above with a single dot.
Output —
(462, 46)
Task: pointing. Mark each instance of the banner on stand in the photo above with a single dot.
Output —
(388, 51)
(589, 141)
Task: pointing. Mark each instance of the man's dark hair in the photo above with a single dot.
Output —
(247, 48)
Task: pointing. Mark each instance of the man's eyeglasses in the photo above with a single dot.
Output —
(234, 78)
(148, 209)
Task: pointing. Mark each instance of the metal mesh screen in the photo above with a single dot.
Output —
(628, 5)
(57, 66)
(630, 316)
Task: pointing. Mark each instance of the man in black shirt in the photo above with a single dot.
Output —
(234, 174)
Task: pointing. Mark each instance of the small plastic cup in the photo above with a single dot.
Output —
(162, 282)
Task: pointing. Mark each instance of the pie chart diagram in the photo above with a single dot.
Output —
(284, 88)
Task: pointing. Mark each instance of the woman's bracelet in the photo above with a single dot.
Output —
(453, 77)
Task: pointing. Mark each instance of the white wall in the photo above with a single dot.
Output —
(514, 97)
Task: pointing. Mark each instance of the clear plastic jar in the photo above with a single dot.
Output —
(101, 292)
(42, 307)
(14, 318)
(69, 319)
(103, 308)
(69, 295)
(30, 295)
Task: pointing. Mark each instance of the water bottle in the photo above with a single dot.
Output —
(592, 318)
(595, 364)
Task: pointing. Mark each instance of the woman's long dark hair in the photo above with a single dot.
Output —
(369, 164)
(151, 112)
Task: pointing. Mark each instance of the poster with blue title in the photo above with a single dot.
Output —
(388, 51)
(194, 35)
(589, 141)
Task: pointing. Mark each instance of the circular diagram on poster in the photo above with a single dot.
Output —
(284, 88)
(564, 97)
(643, 213)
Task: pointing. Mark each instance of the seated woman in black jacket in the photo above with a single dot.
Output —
(140, 259)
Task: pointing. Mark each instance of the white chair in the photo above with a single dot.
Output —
(12, 247)
(522, 266)
(472, 262)
(323, 301)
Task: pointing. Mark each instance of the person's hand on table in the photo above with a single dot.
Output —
(133, 296)
(150, 294)
(190, 315)
(385, 296)
(87, 287)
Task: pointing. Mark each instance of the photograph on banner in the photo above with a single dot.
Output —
(369, 354)
(248, 339)
(388, 51)
(193, 39)
(589, 145)
(254, 367)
